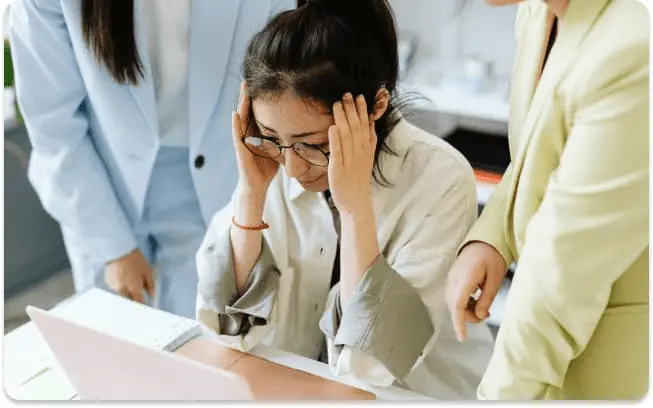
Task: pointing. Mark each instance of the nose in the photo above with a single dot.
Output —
(295, 166)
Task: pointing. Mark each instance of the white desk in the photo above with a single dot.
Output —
(25, 344)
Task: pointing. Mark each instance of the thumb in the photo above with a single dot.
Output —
(148, 282)
(489, 292)
(136, 293)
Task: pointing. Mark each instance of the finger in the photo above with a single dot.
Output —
(373, 138)
(149, 283)
(243, 108)
(335, 150)
(363, 119)
(137, 294)
(461, 304)
(236, 128)
(237, 133)
(344, 134)
(458, 315)
(450, 291)
(489, 292)
(463, 317)
(351, 112)
(123, 291)
(470, 317)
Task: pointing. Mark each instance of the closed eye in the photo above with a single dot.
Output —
(321, 146)
(270, 138)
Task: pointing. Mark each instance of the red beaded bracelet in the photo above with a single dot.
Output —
(259, 227)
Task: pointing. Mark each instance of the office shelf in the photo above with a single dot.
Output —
(457, 100)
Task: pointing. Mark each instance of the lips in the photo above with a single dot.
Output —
(310, 181)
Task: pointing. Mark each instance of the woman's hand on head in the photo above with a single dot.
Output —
(255, 173)
(352, 143)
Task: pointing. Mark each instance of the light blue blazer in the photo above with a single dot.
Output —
(95, 141)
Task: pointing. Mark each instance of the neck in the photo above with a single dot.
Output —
(558, 7)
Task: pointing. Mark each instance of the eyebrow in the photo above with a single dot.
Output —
(298, 135)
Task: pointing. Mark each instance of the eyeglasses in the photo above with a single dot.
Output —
(271, 149)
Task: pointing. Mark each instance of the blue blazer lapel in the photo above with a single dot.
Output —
(212, 29)
(144, 92)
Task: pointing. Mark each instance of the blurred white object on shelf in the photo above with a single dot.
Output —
(475, 95)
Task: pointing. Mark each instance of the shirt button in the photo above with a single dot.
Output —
(199, 161)
(321, 251)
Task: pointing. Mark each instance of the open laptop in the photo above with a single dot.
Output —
(102, 367)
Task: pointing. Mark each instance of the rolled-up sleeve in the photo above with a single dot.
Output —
(397, 311)
(220, 307)
(375, 320)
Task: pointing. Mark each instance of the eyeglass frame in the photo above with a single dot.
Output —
(282, 147)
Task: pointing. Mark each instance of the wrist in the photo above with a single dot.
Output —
(363, 214)
(122, 257)
(250, 193)
(359, 225)
(486, 251)
(249, 208)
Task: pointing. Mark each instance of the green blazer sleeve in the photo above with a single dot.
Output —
(490, 226)
(592, 224)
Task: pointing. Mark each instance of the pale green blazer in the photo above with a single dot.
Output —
(572, 209)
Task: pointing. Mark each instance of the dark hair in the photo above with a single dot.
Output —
(108, 31)
(325, 48)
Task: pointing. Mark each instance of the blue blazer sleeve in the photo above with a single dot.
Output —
(64, 168)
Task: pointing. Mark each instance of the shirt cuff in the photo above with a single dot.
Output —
(385, 318)
(236, 314)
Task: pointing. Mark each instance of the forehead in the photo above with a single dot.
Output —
(290, 114)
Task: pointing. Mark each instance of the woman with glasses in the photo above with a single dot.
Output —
(346, 218)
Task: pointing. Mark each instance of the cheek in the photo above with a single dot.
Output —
(319, 172)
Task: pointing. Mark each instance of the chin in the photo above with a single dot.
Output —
(315, 188)
(318, 186)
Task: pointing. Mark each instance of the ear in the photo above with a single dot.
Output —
(381, 103)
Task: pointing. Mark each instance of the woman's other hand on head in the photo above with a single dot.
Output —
(352, 143)
(255, 173)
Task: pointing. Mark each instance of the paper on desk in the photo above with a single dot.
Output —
(52, 385)
(107, 313)
(29, 357)
(17, 372)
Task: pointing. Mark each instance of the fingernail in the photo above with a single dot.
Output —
(361, 98)
(348, 96)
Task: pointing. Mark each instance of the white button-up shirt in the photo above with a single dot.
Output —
(168, 30)
(421, 220)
